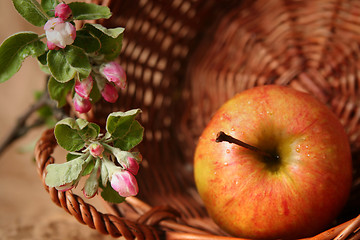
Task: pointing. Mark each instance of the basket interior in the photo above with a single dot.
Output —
(184, 58)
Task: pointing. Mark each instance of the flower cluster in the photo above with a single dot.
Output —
(111, 76)
(108, 161)
(81, 64)
(108, 164)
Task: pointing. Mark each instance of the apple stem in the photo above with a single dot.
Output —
(221, 137)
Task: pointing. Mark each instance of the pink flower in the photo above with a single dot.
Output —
(59, 33)
(81, 105)
(65, 187)
(84, 87)
(132, 165)
(63, 11)
(110, 93)
(124, 183)
(96, 149)
(113, 72)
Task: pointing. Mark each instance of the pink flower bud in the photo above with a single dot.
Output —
(63, 11)
(113, 72)
(59, 33)
(50, 45)
(84, 87)
(132, 165)
(96, 149)
(109, 93)
(65, 187)
(124, 183)
(81, 105)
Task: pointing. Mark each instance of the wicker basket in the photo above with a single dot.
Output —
(184, 58)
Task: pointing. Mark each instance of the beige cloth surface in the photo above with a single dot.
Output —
(26, 210)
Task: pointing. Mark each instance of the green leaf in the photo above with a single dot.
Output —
(59, 174)
(89, 11)
(58, 91)
(72, 156)
(90, 131)
(15, 49)
(43, 59)
(64, 64)
(49, 6)
(92, 184)
(87, 41)
(88, 168)
(124, 129)
(95, 94)
(110, 195)
(132, 138)
(100, 30)
(104, 174)
(111, 39)
(118, 123)
(68, 136)
(31, 11)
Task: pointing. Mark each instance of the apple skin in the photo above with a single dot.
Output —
(250, 196)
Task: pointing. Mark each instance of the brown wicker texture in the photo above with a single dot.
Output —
(183, 59)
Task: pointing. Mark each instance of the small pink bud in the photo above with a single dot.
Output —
(84, 87)
(63, 11)
(110, 93)
(132, 165)
(124, 183)
(81, 105)
(64, 187)
(60, 33)
(113, 72)
(50, 45)
(96, 149)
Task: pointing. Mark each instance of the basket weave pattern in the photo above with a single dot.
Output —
(183, 59)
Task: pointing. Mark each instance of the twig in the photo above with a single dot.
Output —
(21, 128)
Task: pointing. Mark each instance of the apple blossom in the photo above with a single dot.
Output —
(113, 72)
(132, 165)
(96, 149)
(81, 105)
(84, 87)
(59, 33)
(124, 183)
(63, 11)
(109, 93)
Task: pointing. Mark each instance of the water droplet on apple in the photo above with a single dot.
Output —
(298, 150)
(225, 163)
(308, 155)
(227, 150)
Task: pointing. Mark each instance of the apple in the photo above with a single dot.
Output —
(272, 163)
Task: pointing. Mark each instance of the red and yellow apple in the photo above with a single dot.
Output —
(289, 179)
